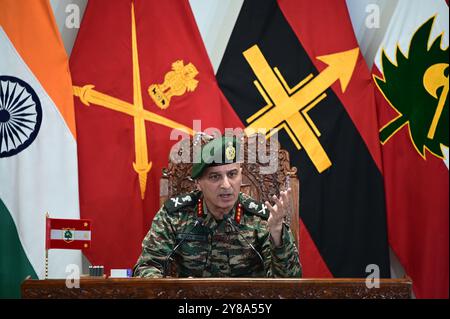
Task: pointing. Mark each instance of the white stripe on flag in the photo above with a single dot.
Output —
(78, 234)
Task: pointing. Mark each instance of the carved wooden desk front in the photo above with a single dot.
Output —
(229, 288)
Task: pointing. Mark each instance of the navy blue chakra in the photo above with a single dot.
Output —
(20, 115)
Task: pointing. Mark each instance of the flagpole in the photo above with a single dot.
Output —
(46, 250)
(46, 264)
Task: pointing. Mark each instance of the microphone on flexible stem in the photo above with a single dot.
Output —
(168, 259)
(235, 229)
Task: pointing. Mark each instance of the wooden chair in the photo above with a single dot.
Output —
(177, 179)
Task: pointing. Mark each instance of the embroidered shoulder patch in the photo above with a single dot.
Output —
(174, 204)
(253, 207)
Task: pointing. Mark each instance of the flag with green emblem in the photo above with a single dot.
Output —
(411, 72)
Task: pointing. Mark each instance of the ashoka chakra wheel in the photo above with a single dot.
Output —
(20, 115)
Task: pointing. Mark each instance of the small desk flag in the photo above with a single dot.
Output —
(68, 233)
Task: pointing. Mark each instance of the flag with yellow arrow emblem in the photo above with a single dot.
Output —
(295, 66)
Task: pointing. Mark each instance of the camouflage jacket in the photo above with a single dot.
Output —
(210, 248)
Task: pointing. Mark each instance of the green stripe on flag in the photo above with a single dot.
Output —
(14, 264)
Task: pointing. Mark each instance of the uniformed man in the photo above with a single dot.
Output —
(218, 231)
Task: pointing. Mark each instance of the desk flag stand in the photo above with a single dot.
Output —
(46, 249)
(66, 234)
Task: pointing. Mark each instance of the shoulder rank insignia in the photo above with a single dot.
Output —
(176, 203)
(254, 207)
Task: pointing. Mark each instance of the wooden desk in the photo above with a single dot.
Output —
(217, 288)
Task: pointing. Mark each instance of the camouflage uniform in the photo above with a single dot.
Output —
(213, 248)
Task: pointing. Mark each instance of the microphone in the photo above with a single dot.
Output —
(237, 230)
(168, 259)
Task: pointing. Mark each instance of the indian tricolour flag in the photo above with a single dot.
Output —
(38, 151)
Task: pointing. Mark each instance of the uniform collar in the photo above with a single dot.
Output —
(201, 211)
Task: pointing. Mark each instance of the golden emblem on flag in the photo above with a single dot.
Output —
(176, 83)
